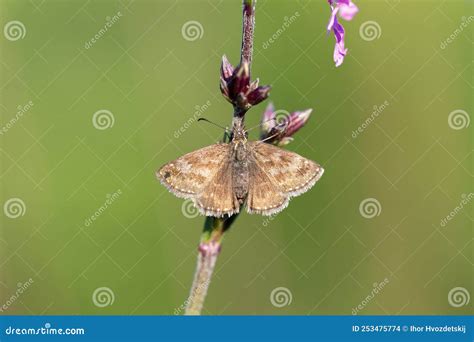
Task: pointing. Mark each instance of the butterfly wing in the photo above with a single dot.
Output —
(204, 177)
(217, 197)
(264, 197)
(289, 173)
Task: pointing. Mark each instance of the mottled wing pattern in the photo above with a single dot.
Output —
(195, 173)
(290, 174)
(264, 197)
(217, 198)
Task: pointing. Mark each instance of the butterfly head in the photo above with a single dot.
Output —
(239, 134)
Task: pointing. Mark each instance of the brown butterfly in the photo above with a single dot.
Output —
(223, 177)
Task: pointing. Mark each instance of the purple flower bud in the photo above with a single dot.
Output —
(267, 122)
(258, 95)
(297, 120)
(226, 68)
(278, 127)
(236, 86)
(239, 82)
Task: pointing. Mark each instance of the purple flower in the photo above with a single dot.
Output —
(346, 10)
(278, 126)
(237, 88)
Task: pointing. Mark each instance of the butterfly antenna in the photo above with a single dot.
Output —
(226, 129)
(271, 137)
(204, 119)
(260, 124)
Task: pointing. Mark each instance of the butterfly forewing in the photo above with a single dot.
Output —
(188, 175)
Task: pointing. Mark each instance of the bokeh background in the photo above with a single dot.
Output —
(326, 252)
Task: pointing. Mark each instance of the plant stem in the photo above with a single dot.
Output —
(214, 227)
(209, 249)
(248, 27)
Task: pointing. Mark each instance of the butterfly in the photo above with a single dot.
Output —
(222, 178)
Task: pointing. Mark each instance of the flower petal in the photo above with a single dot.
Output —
(226, 68)
(258, 95)
(332, 18)
(347, 11)
(296, 121)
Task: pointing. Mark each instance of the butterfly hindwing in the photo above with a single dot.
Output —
(264, 197)
(290, 173)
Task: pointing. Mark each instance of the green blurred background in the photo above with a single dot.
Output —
(321, 249)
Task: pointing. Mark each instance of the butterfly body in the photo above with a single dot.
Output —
(222, 178)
